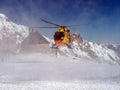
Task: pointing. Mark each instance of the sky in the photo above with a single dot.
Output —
(99, 20)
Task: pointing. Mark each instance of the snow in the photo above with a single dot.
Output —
(11, 32)
(46, 85)
(102, 51)
(92, 50)
(36, 71)
(87, 66)
(8, 29)
(46, 38)
(78, 52)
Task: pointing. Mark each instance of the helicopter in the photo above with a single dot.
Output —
(63, 37)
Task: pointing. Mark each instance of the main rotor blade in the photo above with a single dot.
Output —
(77, 25)
(50, 23)
(44, 27)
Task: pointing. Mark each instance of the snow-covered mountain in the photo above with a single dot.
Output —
(93, 50)
(10, 30)
(12, 35)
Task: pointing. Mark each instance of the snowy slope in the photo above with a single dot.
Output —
(12, 31)
(115, 48)
(92, 50)
(16, 38)
(35, 71)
